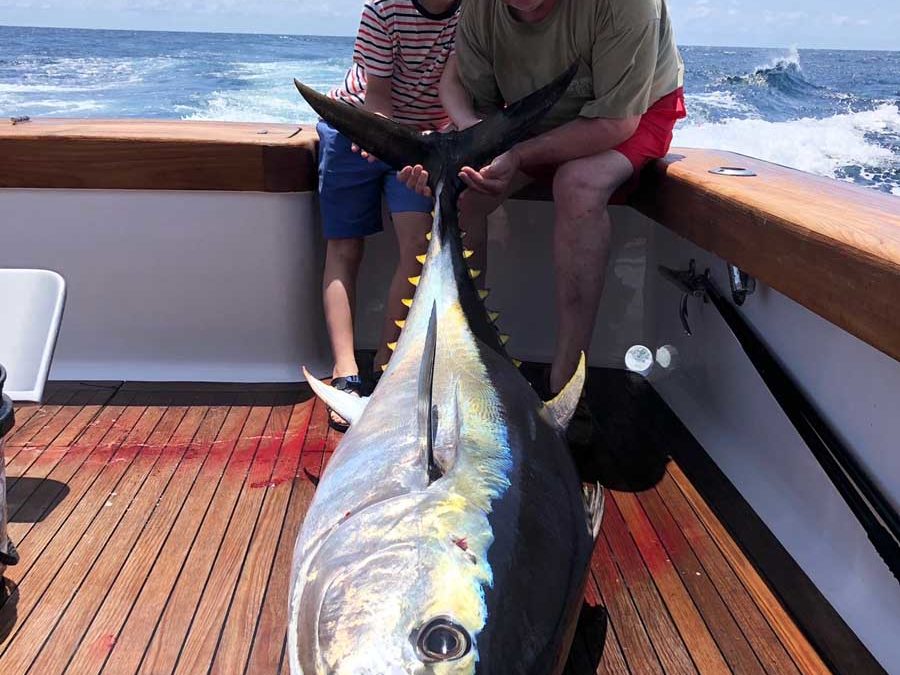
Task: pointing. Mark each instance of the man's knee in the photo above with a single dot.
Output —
(583, 186)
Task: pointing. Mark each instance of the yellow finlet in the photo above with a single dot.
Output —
(468, 253)
(428, 236)
(474, 274)
(483, 293)
(383, 367)
(422, 258)
(493, 316)
(504, 338)
(392, 345)
(407, 302)
(415, 280)
(517, 363)
(400, 323)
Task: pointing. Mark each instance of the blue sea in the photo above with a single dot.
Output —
(834, 113)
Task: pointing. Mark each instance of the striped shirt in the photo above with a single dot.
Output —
(402, 40)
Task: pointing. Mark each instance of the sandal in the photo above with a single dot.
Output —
(352, 384)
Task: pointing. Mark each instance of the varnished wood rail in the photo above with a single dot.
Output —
(831, 246)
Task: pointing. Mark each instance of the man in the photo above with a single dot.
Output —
(617, 115)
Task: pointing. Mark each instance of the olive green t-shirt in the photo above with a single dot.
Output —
(625, 49)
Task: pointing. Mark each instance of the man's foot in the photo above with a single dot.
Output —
(352, 384)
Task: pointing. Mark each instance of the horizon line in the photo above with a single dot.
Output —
(350, 36)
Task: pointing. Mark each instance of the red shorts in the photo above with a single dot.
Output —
(650, 141)
(654, 133)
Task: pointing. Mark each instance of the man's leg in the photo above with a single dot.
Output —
(474, 209)
(581, 192)
(342, 260)
(411, 228)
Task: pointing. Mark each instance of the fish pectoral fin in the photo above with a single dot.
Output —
(346, 405)
(563, 406)
(594, 501)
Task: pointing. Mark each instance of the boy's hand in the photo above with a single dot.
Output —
(362, 153)
(496, 177)
(416, 179)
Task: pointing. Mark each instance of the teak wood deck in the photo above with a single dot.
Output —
(156, 524)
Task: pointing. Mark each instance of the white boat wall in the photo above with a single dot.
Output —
(224, 286)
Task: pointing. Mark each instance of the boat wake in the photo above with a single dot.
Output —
(781, 113)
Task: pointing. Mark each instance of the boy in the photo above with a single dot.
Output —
(398, 60)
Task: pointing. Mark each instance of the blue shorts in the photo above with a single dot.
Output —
(350, 189)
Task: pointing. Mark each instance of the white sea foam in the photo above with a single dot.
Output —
(792, 58)
(820, 146)
(272, 97)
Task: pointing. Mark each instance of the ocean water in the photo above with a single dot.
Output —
(833, 113)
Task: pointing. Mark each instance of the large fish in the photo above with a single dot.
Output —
(450, 532)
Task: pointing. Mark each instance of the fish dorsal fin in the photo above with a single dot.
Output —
(563, 406)
(425, 407)
(346, 405)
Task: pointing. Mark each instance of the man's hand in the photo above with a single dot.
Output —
(496, 177)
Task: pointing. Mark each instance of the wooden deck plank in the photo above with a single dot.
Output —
(268, 639)
(169, 460)
(653, 612)
(36, 461)
(696, 634)
(623, 614)
(53, 540)
(166, 607)
(605, 656)
(23, 432)
(234, 647)
(21, 457)
(80, 586)
(312, 464)
(24, 412)
(806, 658)
(731, 641)
(44, 596)
(206, 628)
(47, 508)
(768, 648)
(63, 419)
(101, 638)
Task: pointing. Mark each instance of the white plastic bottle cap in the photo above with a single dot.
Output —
(639, 359)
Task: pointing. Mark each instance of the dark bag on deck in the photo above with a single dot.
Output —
(8, 554)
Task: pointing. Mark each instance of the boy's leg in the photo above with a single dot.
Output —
(411, 228)
(412, 218)
(350, 207)
(342, 260)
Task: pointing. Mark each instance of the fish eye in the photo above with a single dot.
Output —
(442, 639)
